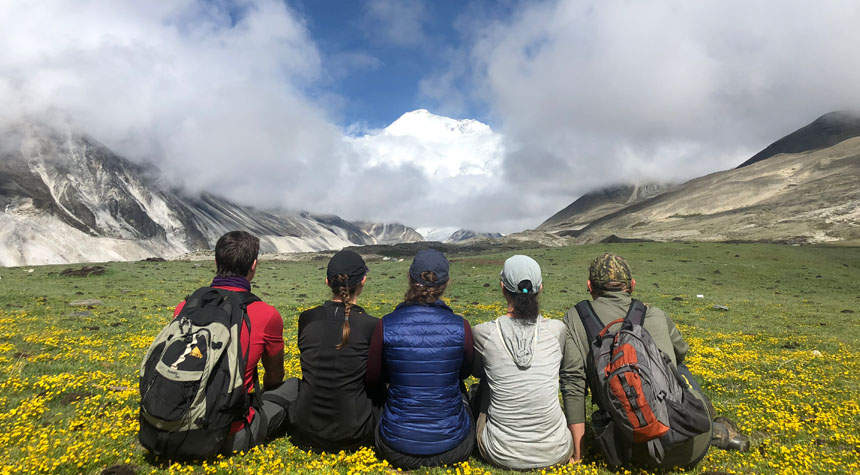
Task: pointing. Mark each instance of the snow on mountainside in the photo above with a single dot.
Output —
(453, 235)
(66, 198)
(422, 123)
(436, 234)
(389, 233)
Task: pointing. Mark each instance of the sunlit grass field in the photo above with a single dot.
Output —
(783, 360)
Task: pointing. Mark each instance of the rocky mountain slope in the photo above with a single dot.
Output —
(462, 235)
(803, 197)
(66, 198)
(391, 233)
(596, 204)
(826, 131)
(451, 235)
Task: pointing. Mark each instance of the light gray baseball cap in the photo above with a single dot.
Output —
(519, 268)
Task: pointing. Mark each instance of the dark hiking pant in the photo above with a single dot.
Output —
(268, 422)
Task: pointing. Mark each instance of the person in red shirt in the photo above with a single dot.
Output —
(236, 261)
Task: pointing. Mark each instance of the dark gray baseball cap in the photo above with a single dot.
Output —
(519, 268)
(429, 260)
(349, 263)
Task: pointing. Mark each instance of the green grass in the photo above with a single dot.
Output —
(67, 381)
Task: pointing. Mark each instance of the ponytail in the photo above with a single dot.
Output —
(345, 294)
(417, 293)
(524, 301)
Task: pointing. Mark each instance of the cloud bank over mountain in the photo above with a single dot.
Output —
(231, 99)
(237, 97)
(590, 93)
(218, 99)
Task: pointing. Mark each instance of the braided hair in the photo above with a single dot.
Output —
(524, 301)
(343, 292)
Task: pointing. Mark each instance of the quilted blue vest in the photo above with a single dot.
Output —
(423, 350)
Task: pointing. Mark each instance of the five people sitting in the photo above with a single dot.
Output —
(398, 383)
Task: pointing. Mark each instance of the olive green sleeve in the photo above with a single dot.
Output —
(572, 373)
(681, 347)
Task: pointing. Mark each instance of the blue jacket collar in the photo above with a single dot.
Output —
(439, 303)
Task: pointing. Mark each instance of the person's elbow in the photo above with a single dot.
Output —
(274, 370)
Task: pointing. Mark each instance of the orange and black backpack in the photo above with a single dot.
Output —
(642, 399)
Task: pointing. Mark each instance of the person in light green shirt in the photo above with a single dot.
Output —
(611, 284)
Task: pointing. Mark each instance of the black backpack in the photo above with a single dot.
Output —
(641, 396)
(192, 384)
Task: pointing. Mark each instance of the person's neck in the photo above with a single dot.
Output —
(608, 293)
(232, 281)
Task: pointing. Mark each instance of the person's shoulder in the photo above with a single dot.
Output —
(653, 310)
(262, 309)
(398, 310)
(572, 313)
(362, 317)
(312, 311)
(571, 318)
(554, 325)
(484, 328)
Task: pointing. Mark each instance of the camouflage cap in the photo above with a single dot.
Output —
(609, 268)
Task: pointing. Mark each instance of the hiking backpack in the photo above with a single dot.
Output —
(192, 385)
(641, 396)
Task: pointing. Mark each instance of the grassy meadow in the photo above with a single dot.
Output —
(783, 360)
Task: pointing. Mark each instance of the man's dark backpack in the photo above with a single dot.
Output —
(192, 384)
(642, 399)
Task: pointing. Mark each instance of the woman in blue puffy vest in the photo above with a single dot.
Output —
(423, 351)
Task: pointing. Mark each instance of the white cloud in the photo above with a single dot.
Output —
(427, 170)
(184, 84)
(442, 148)
(590, 93)
(219, 101)
(581, 94)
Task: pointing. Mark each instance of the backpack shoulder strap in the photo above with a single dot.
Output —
(636, 312)
(197, 297)
(593, 325)
(248, 298)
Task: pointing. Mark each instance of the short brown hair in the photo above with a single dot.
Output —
(235, 253)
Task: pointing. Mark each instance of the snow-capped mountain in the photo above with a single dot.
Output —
(453, 235)
(439, 146)
(431, 127)
(67, 198)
